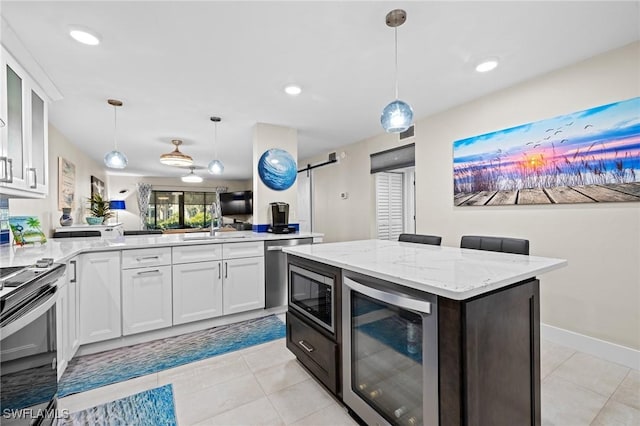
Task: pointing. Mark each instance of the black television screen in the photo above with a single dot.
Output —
(232, 203)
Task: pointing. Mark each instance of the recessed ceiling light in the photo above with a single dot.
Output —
(84, 36)
(487, 65)
(293, 90)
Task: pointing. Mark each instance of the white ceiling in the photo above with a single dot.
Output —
(175, 64)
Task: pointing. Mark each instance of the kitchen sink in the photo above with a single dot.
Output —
(217, 236)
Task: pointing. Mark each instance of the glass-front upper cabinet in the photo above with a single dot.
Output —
(23, 132)
(39, 153)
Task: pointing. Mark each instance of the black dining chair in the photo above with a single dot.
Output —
(433, 240)
(501, 244)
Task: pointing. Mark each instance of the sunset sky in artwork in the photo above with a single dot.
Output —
(608, 134)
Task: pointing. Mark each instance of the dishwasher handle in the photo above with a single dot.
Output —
(274, 248)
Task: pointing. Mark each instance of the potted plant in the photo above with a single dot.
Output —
(99, 209)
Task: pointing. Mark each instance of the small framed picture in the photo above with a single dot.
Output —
(97, 186)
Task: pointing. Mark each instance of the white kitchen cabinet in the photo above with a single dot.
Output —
(24, 138)
(196, 253)
(146, 299)
(62, 313)
(141, 258)
(243, 288)
(99, 278)
(197, 291)
(228, 281)
(73, 312)
(67, 321)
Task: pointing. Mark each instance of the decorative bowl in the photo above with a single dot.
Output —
(91, 220)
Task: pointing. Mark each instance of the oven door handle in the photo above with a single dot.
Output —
(390, 298)
(34, 313)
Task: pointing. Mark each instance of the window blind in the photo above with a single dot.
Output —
(396, 158)
(389, 205)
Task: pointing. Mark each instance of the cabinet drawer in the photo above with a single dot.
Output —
(197, 253)
(317, 352)
(146, 257)
(245, 249)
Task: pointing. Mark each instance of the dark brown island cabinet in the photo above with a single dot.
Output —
(488, 349)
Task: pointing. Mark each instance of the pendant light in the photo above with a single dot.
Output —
(191, 177)
(398, 115)
(115, 159)
(215, 166)
(175, 157)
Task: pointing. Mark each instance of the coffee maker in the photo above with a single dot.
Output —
(280, 219)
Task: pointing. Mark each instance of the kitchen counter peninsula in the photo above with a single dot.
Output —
(62, 249)
(425, 334)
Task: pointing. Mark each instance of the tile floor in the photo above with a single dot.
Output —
(264, 385)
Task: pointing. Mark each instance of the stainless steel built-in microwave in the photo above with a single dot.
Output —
(312, 295)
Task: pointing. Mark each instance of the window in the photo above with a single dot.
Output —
(389, 205)
(180, 209)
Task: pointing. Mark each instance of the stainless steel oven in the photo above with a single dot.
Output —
(390, 352)
(28, 354)
(312, 295)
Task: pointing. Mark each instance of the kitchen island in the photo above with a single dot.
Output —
(477, 358)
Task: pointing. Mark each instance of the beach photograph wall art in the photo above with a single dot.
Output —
(589, 156)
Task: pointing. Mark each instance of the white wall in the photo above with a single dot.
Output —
(47, 208)
(598, 294)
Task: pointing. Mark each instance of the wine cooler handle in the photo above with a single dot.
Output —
(390, 298)
(307, 347)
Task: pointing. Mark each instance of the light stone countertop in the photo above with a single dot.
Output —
(451, 272)
(62, 249)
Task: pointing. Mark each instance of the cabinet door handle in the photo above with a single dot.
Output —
(139, 259)
(226, 269)
(307, 347)
(153, 271)
(219, 270)
(75, 272)
(7, 170)
(34, 184)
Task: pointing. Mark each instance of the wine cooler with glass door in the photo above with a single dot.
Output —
(390, 352)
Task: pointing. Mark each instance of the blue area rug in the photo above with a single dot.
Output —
(93, 371)
(153, 407)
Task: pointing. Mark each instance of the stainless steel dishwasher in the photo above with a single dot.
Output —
(276, 270)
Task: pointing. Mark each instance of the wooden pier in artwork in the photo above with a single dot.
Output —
(617, 192)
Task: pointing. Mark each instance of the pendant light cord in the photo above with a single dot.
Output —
(395, 29)
(215, 140)
(115, 128)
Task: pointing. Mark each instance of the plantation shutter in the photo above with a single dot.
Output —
(389, 205)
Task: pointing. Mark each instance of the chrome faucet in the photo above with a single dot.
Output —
(216, 219)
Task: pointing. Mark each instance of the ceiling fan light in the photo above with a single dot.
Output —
(175, 157)
(215, 167)
(115, 160)
(396, 117)
(191, 177)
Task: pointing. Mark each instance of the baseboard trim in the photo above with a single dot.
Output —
(602, 349)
